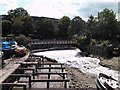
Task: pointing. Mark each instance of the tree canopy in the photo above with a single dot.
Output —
(18, 12)
(107, 24)
(21, 21)
(6, 27)
(63, 26)
(102, 27)
(76, 26)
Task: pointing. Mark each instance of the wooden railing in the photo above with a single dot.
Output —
(53, 42)
(40, 44)
(40, 64)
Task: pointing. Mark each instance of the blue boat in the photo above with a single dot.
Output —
(7, 49)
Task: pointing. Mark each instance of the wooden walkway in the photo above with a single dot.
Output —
(40, 72)
(40, 44)
(53, 42)
(9, 69)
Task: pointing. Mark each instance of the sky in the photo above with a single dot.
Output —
(59, 8)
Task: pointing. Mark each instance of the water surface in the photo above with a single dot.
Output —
(72, 57)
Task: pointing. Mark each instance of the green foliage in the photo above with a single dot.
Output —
(76, 27)
(46, 29)
(101, 30)
(92, 27)
(18, 12)
(17, 26)
(22, 40)
(63, 26)
(107, 24)
(93, 42)
(10, 35)
(22, 25)
(21, 21)
(6, 27)
(104, 43)
(82, 42)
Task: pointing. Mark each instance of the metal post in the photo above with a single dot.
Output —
(65, 84)
(30, 82)
(47, 85)
(1, 60)
(33, 74)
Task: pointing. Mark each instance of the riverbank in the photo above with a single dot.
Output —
(79, 79)
(82, 71)
(112, 63)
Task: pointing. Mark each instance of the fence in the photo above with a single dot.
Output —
(99, 51)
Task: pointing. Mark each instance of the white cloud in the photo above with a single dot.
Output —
(56, 8)
(7, 5)
(71, 8)
(52, 8)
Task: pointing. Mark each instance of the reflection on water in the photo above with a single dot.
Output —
(73, 58)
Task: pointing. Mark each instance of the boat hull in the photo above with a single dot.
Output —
(103, 86)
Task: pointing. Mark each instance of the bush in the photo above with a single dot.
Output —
(105, 43)
(93, 42)
(23, 40)
(82, 42)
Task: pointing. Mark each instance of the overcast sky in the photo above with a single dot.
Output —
(60, 8)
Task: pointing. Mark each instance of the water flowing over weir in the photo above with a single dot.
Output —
(72, 57)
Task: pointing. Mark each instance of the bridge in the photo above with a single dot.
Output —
(40, 44)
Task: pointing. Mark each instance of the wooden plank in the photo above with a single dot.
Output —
(62, 68)
(22, 75)
(62, 74)
(33, 72)
(51, 64)
(50, 73)
(50, 67)
(6, 71)
(25, 68)
(14, 85)
(29, 63)
(51, 80)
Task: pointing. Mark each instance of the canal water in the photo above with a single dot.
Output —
(73, 58)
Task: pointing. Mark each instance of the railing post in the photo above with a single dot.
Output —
(33, 74)
(65, 84)
(30, 82)
(47, 84)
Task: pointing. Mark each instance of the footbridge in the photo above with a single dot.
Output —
(40, 44)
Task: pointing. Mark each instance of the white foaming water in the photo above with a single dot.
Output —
(87, 65)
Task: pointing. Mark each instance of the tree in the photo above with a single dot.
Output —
(22, 25)
(27, 25)
(63, 27)
(107, 24)
(6, 28)
(46, 29)
(17, 26)
(18, 12)
(21, 21)
(77, 26)
(118, 34)
(92, 27)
